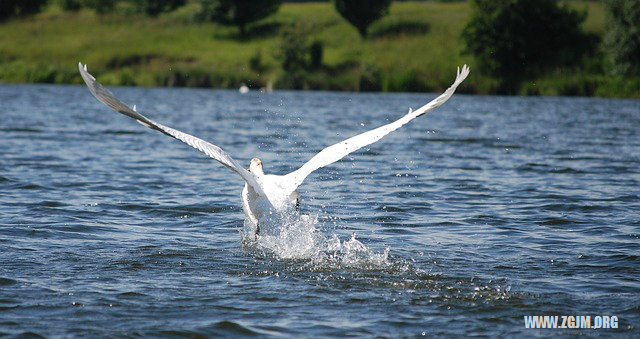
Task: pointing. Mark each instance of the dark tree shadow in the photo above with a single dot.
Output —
(392, 29)
(253, 32)
(132, 60)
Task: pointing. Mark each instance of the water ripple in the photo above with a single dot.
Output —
(489, 209)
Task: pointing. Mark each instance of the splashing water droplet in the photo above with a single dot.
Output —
(297, 237)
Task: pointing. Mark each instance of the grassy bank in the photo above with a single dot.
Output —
(415, 48)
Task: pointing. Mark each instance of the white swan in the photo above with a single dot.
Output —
(267, 198)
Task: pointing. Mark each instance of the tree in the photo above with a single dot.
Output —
(11, 8)
(362, 13)
(293, 48)
(516, 40)
(238, 12)
(101, 6)
(149, 7)
(623, 35)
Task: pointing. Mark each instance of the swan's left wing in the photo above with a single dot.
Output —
(338, 151)
(215, 152)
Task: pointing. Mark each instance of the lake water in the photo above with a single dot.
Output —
(461, 223)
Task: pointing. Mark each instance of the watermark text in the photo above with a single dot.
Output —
(570, 321)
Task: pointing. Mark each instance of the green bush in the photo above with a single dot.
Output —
(623, 36)
(237, 12)
(256, 64)
(516, 40)
(293, 48)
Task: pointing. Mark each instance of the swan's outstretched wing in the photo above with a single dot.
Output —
(338, 151)
(106, 97)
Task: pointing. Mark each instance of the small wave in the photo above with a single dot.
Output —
(557, 222)
(566, 170)
(130, 294)
(546, 168)
(7, 282)
(565, 207)
(457, 140)
(21, 130)
(121, 132)
(29, 334)
(49, 203)
(185, 211)
(231, 327)
(29, 186)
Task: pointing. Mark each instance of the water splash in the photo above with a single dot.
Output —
(297, 237)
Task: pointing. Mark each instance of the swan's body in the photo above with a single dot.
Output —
(265, 197)
(278, 197)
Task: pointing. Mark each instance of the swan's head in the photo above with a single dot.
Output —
(255, 166)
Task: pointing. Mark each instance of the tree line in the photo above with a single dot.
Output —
(360, 13)
(512, 40)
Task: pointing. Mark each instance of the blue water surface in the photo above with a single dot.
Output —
(461, 223)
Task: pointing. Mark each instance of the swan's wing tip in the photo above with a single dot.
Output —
(461, 74)
(465, 70)
(85, 73)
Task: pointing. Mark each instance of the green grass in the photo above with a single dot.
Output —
(416, 47)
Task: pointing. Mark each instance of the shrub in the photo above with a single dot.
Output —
(316, 51)
(295, 52)
(623, 36)
(256, 64)
(515, 40)
(238, 12)
(292, 52)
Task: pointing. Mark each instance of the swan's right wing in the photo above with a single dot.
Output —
(107, 98)
(338, 151)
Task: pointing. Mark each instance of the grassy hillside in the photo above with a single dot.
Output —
(415, 48)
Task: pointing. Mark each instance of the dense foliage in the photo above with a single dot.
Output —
(128, 49)
(362, 13)
(515, 40)
(238, 12)
(11, 8)
(623, 36)
(148, 7)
